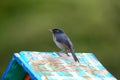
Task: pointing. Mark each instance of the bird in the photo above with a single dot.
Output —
(63, 42)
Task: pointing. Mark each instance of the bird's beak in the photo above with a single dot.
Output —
(50, 30)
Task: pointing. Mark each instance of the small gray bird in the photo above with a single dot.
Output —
(63, 42)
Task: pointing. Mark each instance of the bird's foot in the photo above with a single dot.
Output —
(58, 54)
(67, 54)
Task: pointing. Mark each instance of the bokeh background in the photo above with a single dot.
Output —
(92, 25)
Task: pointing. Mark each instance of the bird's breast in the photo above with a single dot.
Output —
(59, 45)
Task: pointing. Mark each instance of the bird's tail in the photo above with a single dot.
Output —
(74, 56)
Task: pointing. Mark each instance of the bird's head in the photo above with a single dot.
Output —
(55, 31)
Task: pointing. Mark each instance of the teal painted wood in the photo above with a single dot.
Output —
(49, 66)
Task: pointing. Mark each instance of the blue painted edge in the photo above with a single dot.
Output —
(8, 68)
(25, 66)
(20, 62)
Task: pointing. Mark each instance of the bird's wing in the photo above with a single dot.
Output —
(63, 39)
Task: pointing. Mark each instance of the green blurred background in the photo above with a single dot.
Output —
(92, 25)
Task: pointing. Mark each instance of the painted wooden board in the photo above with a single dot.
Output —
(51, 66)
